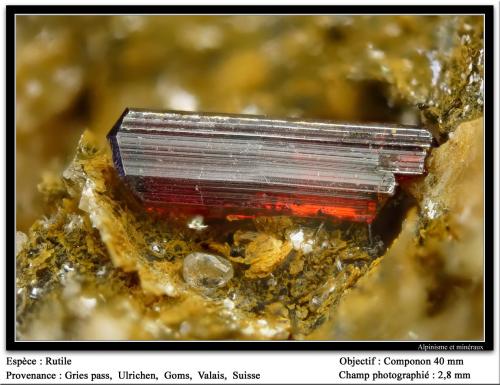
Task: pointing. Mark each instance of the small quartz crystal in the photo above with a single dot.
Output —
(206, 271)
(196, 223)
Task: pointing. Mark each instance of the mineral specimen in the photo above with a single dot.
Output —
(242, 164)
(115, 272)
(202, 270)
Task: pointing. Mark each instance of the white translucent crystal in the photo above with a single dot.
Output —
(21, 240)
(85, 306)
(299, 242)
(170, 289)
(297, 238)
(88, 203)
(75, 223)
(155, 247)
(35, 292)
(196, 223)
(203, 270)
(307, 247)
(228, 304)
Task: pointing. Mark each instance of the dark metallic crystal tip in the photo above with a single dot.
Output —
(113, 142)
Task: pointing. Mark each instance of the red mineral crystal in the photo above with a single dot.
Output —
(242, 166)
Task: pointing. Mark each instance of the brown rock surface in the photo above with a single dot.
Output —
(429, 284)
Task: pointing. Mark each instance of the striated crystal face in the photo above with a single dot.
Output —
(243, 165)
(206, 271)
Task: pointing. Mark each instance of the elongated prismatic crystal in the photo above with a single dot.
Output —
(243, 165)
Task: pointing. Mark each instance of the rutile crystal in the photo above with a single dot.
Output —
(243, 165)
(206, 271)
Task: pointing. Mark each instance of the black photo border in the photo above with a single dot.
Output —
(12, 345)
